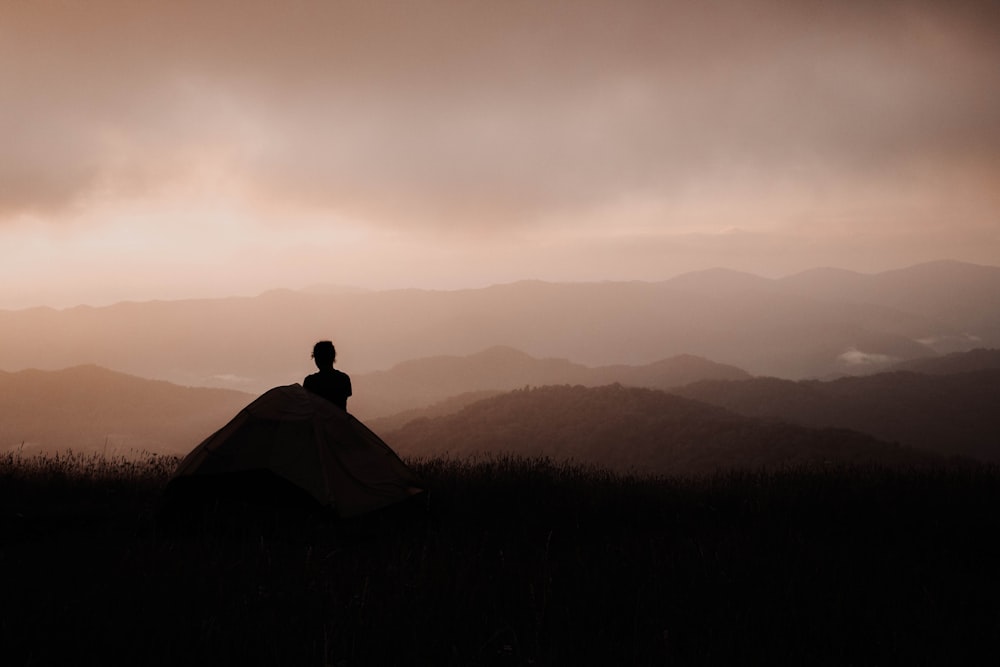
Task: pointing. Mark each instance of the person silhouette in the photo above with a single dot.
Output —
(331, 384)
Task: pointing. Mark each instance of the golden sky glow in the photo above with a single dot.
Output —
(184, 149)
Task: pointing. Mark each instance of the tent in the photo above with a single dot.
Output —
(303, 439)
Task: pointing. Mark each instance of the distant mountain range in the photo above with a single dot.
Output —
(707, 424)
(816, 324)
(633, 429)
(945, 405)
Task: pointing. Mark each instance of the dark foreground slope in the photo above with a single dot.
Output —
(508, 562)
(626, 428)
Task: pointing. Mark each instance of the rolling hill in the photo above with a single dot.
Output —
(92, 408)
(634, 429)
(423, 382)
(953, 414)
(87, 408)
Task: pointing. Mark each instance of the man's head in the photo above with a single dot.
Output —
(324, 354)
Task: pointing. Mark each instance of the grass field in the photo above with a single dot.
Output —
(506, 562)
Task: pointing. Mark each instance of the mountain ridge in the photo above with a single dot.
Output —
(951, 414)
(630, 429)
(418, 383)
(323, 290)
(253, 343)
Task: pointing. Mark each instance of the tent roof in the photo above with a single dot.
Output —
(311, 443)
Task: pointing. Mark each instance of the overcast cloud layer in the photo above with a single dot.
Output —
(185, 149)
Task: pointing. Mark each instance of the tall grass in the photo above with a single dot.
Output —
(137, 468)
(507, 561)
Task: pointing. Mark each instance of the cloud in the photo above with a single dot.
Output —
(468, 116)
(855, 357)
(229, 379)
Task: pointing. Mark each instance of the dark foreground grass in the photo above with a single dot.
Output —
(507, 562)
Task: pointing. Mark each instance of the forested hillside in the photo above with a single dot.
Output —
(626, 428)
(424, 382)
(443, 408)
(950, 414)
(980, 359)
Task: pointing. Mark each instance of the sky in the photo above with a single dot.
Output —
(162, 150)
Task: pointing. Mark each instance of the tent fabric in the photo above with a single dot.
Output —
(312, 443)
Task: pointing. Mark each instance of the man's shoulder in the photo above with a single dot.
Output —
(326, 376)
(339, 375)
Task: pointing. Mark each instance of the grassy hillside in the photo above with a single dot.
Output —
(627, 428)
(507, 562)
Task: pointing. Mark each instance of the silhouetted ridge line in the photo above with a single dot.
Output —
(634, 429)
(431, 381)
(953, 414)
(957, 362)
